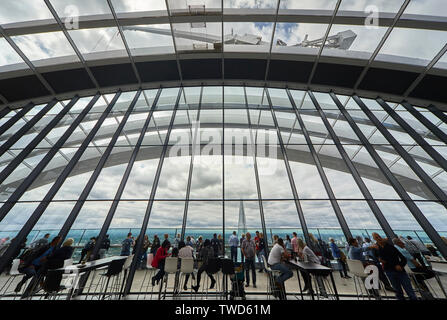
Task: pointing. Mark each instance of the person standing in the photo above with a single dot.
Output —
(215, 245)
(294, 243)
(233, 242)
(126, 245)
(337, 254)
(155, 245)
(421, 249)
(221, 251)
(261, 252)
(176, 240)
(41, 242)
(248, 249)
(85, 253)
(105, 245)
(240, 245)
(393, 263)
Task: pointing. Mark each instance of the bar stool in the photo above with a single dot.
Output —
(150, 272)
(358, 270)
(113, 272)
(228, 272)
(186, 268)
(126, 267)
(271, 285)
(13, 274)
(413, 276)
(212, 268)
(170, 268)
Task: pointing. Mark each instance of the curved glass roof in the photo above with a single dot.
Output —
(374, 30)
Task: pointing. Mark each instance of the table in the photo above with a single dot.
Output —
(316, 270)
(439, 267)
(79, 269)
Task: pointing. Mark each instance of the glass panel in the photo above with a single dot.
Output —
(433, 8)
(141, 178)
(82, 171)
(398, 215)
(256, 97)
(40, 46)
(234, 97)
(421, 45)
(206, 179)
(342, 183)
(173, 177)
(8, 55)
(358, 215)
(240, 181)
(265, 4)
(198, 36)
(248, 35)
(199, 216)
(138, 5)
(17, 217)
(96, 40)
(306, 4)
(305, 174)
(167, 99)
(299, 38)
(274, 167)
(435, 213)
(152, 39)
(66, 8)
(23, 10)
(280, 214)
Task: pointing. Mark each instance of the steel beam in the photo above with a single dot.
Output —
(409, 203)
(139, 243)
(353, 171)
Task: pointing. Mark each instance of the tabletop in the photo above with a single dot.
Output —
(89, 265)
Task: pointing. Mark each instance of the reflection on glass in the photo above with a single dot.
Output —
(97, 40)
(253, 35)
(304, 38)
(143, 39)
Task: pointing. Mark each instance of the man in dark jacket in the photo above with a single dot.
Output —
(393, 264)
(206, 254)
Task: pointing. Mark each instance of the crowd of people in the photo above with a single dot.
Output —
(390, 257)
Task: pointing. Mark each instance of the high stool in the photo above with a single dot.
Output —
(412, 275)
(212, 268)
(150, 272)
(170, 268)
(271, 285)
(126, 267)
(358, 270)
(186, 268)
(228, 272)
(113, 272)
(13, 274)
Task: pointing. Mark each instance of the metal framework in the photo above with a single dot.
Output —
(271, 109)
(179, 15)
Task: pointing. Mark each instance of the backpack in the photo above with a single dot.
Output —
(27, 257)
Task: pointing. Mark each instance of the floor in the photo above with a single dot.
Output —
(142, 288)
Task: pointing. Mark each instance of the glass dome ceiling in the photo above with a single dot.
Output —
(403, 35)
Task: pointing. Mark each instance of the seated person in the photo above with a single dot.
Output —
(32, 264)
(277, 255)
